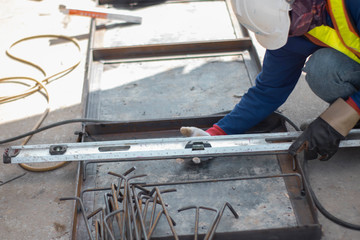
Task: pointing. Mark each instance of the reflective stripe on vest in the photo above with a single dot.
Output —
(343, 38)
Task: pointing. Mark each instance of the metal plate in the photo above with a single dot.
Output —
(146, 90)
(173, 22)
(260, 203)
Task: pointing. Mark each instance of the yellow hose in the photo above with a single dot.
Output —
(40, 85)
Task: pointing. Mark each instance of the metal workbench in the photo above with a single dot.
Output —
(185, 65)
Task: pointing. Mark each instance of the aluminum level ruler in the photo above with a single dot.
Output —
(162, 148)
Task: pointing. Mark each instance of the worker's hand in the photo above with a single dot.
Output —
(193, 132)
(323, 136)
(318, 139)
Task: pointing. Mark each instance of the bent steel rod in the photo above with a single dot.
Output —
(197, 214)
(168, 218)
(256, 177)
(78, 200)
(210, 234)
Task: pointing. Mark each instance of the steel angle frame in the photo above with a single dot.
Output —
(306, 216)
(173, 50)
(308, 226)
(98, 56)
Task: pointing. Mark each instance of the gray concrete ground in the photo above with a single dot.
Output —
(30, 206)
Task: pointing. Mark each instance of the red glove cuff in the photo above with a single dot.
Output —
(215, 130)
(352, 103)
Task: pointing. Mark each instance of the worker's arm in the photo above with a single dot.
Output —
(281, 71)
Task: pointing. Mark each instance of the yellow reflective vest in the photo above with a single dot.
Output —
(343, 37)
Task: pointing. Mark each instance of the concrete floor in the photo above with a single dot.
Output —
(30, 206)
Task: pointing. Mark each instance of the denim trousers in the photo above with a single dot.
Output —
(332, 75)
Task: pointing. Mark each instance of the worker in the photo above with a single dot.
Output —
(291, 31)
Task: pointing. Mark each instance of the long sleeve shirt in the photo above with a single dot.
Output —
(280, 73)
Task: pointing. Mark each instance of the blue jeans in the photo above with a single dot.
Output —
(332, 75)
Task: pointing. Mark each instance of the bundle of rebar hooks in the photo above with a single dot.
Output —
(130, 211)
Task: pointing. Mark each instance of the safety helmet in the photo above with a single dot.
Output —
(268, 19)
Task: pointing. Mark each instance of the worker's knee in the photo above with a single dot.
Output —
(331, 74)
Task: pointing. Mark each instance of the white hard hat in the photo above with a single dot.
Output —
(268, 19)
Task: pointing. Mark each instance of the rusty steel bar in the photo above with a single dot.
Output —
(132, 212)
(116, 205)
(97, 230)
(107, 205)
(82, 211)
(166, 214)
(211, 232)
(138, 206)
(157, 219)
(127, 201)
(100, 224)
(197, 213)
(93, 190)
(121, 179)
(152, 227)
(111, 203)
(106, 224)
